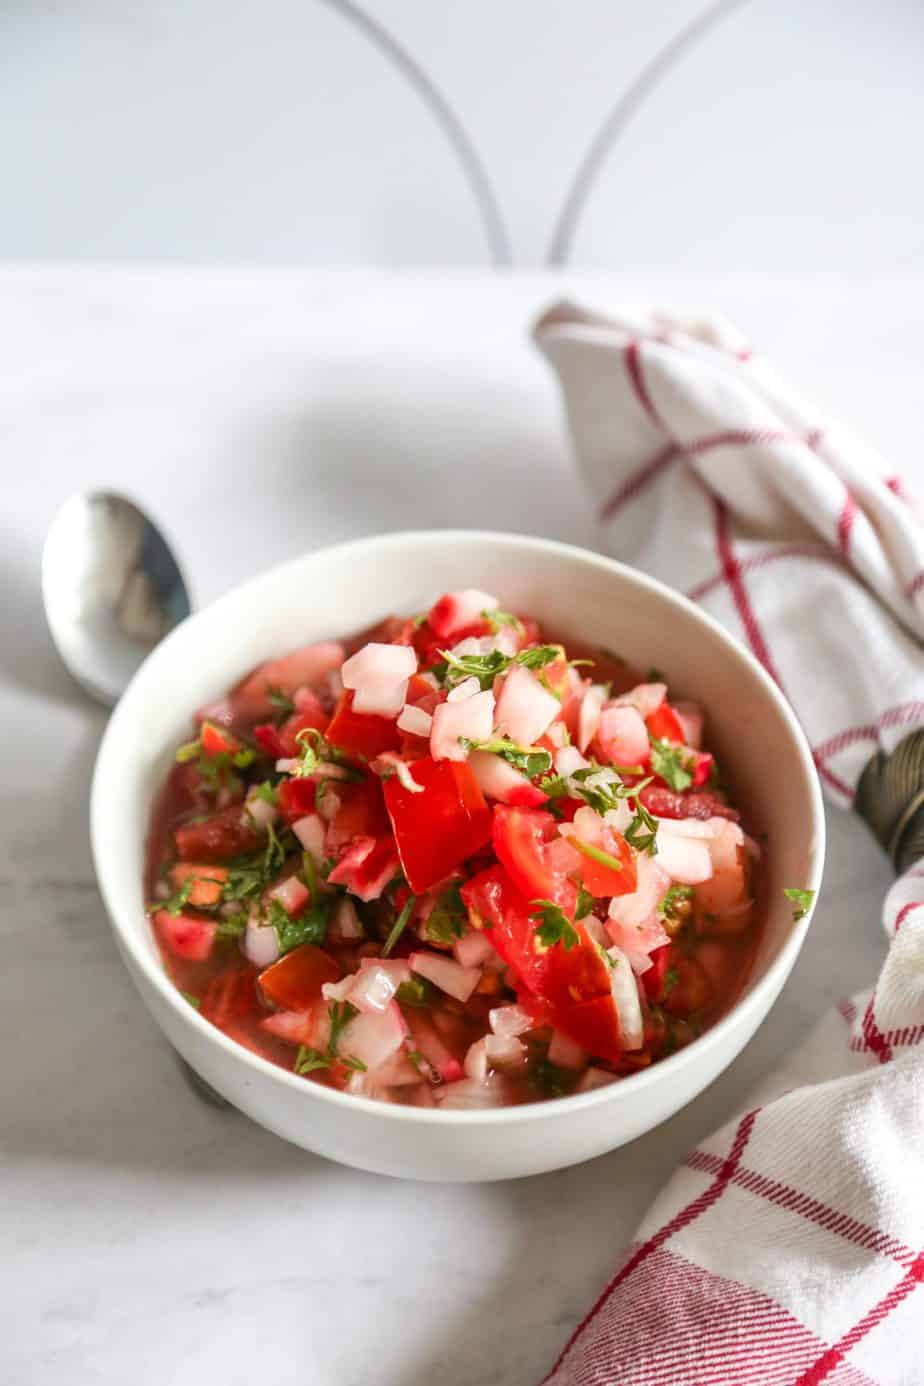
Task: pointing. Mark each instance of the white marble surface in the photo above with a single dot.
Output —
(145, 1236)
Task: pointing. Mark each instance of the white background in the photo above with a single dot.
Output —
(769, 172)
(777, 135)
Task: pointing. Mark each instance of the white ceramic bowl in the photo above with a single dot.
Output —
(339, 591)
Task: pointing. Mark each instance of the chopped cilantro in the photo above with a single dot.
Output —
(670, 762)
(266, 791)
(448, 918)
(671, 978)
(531, 760)
(217, 771)
(801, 901)
(308, 927)
(176, 901)
(496, 619)
(676, 902)
(248, 876)
(232, 928)
(642, 831)
(588, 849)
(585, 903)
(310, 1060)
(282, 703)
(550, 1080)
(416, 1058)
(399, 925)
(555, 927)
(194, 1001)
(340, 1013)
(485, 668)
(416, 993)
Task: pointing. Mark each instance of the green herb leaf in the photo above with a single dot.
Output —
(399, 925)
(282, 703)
(801, 901)
(642, 831)
(588, 849)
(496, 619)
(194, 1001)
(550, 1080)
(670, 762)
(176, 901)
(531, 760)
(340, 1013)
(308, 927)
(485, 668)
(229, 929)
(555, 926)
(416, 993)
(448, 918)
(585, 903)
(309, 1060)
(671, 978)
(675, 904)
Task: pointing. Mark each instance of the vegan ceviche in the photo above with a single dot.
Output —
(453, 863)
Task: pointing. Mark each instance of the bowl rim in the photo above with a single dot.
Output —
(104, 843)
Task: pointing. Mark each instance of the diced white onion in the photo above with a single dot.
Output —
(310, 833)
(380, 699)
(625, 996)
(524, 707)
(569, 759)
(445, 973)
(380, 665)
(466, 689)
(510, 1020)
(473, 948)
(415, 721)
(472, 719)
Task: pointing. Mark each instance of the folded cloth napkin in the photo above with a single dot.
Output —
(790, 1246)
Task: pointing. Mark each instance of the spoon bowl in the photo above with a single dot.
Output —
(112, 590)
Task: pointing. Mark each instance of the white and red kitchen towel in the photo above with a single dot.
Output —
(789, 1248)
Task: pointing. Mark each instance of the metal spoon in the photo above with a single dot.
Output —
(112, 589)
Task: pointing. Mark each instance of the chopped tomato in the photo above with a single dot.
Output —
(295, 798)
(186, 935)
(437, 829)
(603, 880)
(421, 693)
(219, 836)
(572, 984)
(702, 768)
(494, 898)
(653, 978)
(361, 734)
(555, 676)
(207, 882)
(665, 725)
(366, 867)
(230, 996)
(594, 1025)
(522, 839)
(295, 981)
(664, 803)
(215, 741)
(361, 813)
